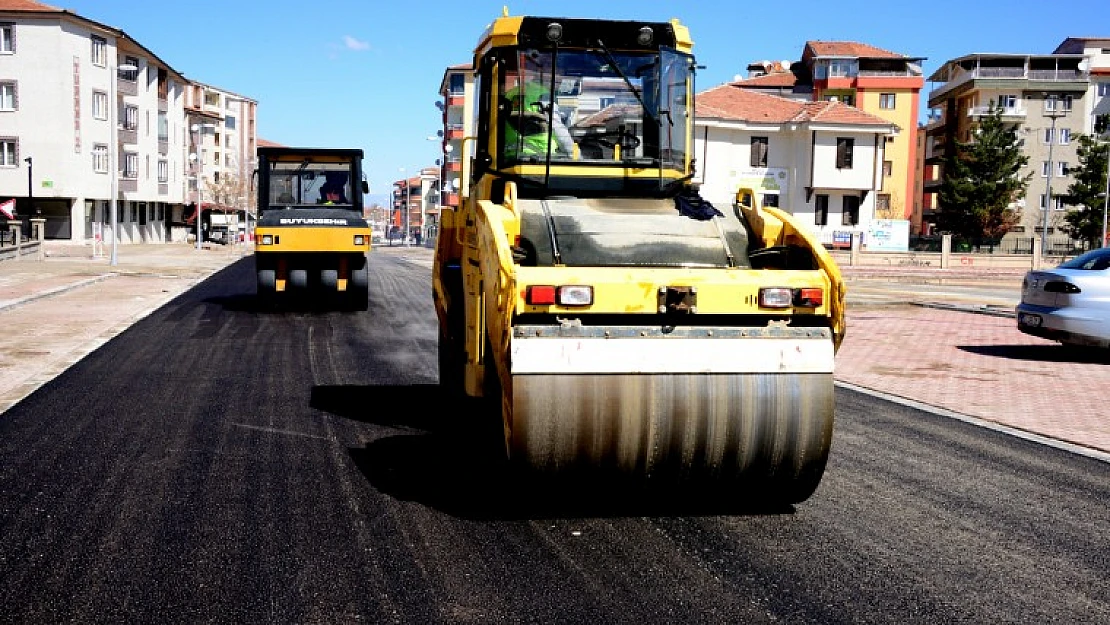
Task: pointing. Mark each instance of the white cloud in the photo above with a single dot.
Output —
(355, 44)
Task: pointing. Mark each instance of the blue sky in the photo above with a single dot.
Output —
(365, 73)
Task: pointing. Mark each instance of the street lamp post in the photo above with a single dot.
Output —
(1053, 113)
(408, 195)
(30, 187)
(1106, 194)
(198, 133)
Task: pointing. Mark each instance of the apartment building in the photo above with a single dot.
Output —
(458, 115)
(822, 161)
(223, 137)
(1049, 99)
(876, 81)
(420, 194)
(87, 112)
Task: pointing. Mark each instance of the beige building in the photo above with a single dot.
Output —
(1049, 99)
(222, 135)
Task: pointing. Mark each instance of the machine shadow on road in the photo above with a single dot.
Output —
(454, 463)
(1042, 353)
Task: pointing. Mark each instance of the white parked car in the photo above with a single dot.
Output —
(1071, 303)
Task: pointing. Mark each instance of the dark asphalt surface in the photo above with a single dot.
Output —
(219, 463)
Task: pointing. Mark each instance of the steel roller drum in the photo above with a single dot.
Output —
(763, 432)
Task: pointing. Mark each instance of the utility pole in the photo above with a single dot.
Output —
(1053, 110)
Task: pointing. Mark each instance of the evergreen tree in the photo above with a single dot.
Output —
(1085, 223)
(981, 179)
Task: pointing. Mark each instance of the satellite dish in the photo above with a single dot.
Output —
(737, 78)
(785, 65)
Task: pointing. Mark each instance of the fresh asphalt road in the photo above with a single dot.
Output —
(218, 463)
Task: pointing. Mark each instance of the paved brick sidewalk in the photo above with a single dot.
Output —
(979, 365)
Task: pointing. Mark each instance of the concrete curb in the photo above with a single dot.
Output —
(1055, 443)
(55, 291)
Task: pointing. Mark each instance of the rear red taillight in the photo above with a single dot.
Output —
(540, 295)
(809, 298)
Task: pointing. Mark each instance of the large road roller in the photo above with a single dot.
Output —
(311, 239)
(621, 326)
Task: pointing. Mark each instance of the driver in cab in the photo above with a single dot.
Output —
(526, 132)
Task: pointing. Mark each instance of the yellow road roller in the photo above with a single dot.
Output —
(311, 236)
(620, 325)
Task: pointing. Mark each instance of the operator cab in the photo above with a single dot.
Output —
(582, 108)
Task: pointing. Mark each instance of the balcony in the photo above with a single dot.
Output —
(1011, 112)
(128, 136)
(126, 87)
(1011, 73)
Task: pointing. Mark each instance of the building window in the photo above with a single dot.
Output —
(1048, 134)
(759, 152)
(840, 68)
(7, 96)
(845, 147)
(851, 211)
(1065, 136)
(131, 165)
(821, 210)
(1065, 103)
(130, 75)
(1057, 204)
(1104, 89)
(100, 158)
(1007, 101)
(229, 122)
(457, 84)
(163, 127)
(888, 168)
(886, 100)
(770, 199)
(99, 51)
(211, 98)
(130, 117)
(882, 202)
(1050, 103)
(7, 38)
(100, 105)
(9, 152)
(134, 212)
(1045, 167)
(1061, 168)
(163, 171)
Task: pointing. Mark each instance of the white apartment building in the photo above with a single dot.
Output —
(823, 162)
(86, 111)
(71, 119)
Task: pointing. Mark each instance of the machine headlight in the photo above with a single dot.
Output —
(360, 239)
(776, 297)
(575, 295)
(267, 239)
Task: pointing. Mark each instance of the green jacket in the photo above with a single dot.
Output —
(525, 136)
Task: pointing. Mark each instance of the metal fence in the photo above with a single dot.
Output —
(1055, 245)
